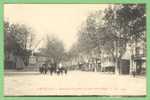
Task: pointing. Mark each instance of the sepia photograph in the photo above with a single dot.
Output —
(75, 50)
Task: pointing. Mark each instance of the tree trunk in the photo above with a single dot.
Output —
(117, 60)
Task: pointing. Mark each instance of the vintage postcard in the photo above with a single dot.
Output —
(75, 50)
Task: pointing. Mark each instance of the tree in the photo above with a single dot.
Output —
(127, 23)
(54, 50)
(134, 18)
(16, 40)
(88, 36)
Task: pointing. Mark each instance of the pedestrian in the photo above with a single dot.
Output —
(133, 73)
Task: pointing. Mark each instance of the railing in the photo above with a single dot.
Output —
(139, 56)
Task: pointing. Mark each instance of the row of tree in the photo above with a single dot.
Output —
(18, 39)
(19, 42)
(111, 30)
(108, 30)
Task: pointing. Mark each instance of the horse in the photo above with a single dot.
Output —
(52, 69)
(43, 69)
(63, 70)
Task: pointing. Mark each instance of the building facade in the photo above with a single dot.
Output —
(135, 57)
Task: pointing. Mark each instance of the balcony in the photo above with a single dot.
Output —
(140, 56)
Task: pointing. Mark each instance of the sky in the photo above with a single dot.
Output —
(61, 20)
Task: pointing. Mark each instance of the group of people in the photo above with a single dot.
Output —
(44, 69)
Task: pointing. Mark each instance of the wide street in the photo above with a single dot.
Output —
(74, 83)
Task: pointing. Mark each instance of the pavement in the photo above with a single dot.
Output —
(74, 83)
